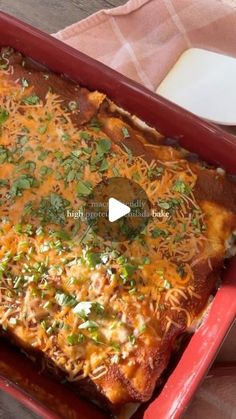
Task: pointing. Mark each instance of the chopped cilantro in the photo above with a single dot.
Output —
(42, 129)
(4, 155)
(45, 170)
(44, 248)
(164, 204)
(96, 159)
(71, 175)
(3, 66)
(64, 299)
(84, 308)
(23, 140)
(127, 270)
(169, 204)
(146, 260)
(24, 229)
(155, 172)
(128, 151)
(75, 339)
(47, 305)
(22, 183)
(59, 155)
(93, 259)
(167, 284)
(43, 155)
(28, 208)
(4, 115)
(181, 187)
(28, 165)
(158, 232)
(85, 135)
(84, 188)
(104, 166)
(197, 225)
(125, 132)
(103, 146)
(116, 171)
(39, 231)
(52, 209)
(72, 105)
(132, 339)
(116, 346)
(142, 328)
(31, 100)
(178, 237)
(86, 150)
(24, 82)
(3, 183)
(73, 168)
(95, 124)
(136, 176)
(89, 324)
(98, 308)
(65, 136)
(58, 176)
(76, 153)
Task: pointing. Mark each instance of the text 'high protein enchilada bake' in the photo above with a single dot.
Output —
(102, 303)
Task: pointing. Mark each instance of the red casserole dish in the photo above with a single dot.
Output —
(43, 395)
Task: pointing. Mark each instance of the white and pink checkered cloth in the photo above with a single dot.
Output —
(144, 38)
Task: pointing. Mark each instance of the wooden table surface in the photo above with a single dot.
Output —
(52, 15)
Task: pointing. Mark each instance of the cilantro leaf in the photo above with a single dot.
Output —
(4, 154)
(4, 115)
(52, 209)
(64, 299)
(75, 339)
(158, 232)
(103, 146)
(84, 135)
(31, 100)
(22, 183)
(125, 132)
(83, 309)
(84, 188)
(93, 259)
(104, 166)
(181, 187)
(89, 324)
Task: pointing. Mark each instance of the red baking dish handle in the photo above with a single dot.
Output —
(199, 354)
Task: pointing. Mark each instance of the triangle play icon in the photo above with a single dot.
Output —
(116, 210)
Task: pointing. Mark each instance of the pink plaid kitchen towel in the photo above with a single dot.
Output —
(144, 38)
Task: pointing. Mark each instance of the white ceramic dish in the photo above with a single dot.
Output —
(204, 83)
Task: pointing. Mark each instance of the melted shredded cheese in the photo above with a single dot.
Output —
(44, 277)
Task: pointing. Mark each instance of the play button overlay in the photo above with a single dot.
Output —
(117, 209)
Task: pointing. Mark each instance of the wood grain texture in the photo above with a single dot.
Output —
(12, 409)
(52, 15)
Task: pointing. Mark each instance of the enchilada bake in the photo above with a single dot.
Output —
(102, 314)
